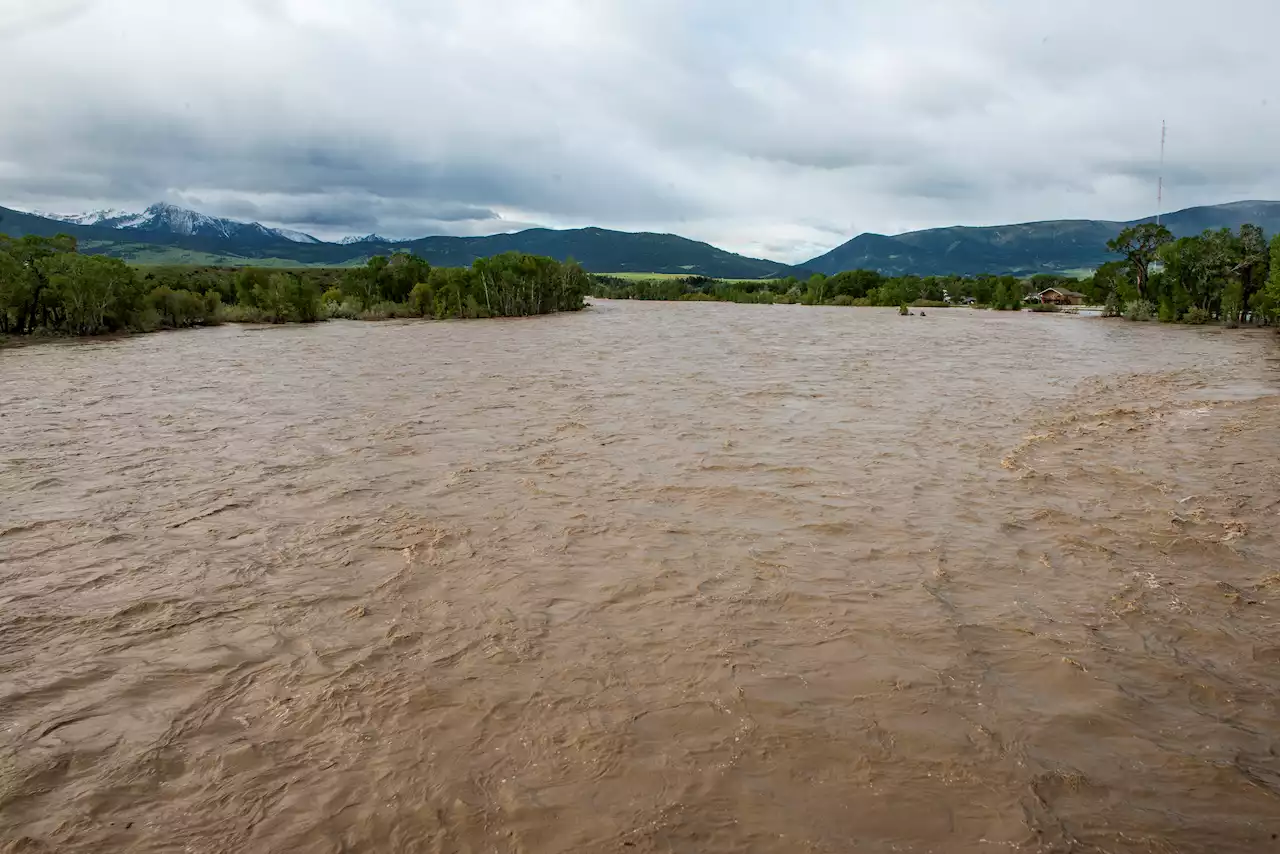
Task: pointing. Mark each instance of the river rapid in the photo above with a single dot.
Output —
(645, 578)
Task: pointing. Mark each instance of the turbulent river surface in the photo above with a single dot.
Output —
(647, 578)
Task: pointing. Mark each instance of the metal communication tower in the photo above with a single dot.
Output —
(1160, 187)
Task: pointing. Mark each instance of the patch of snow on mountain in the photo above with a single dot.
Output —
(124, 220)
(89, 218)
(295, 236)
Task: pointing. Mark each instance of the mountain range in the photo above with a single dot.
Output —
(163, 219)
(170, 234)
(1054, 246)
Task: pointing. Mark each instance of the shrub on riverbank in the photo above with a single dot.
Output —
(180, 309)
(341, 310)
(1197, 316)
(47, 287)
(1140, 310)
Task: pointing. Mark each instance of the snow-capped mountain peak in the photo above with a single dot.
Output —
(106, 215)
(171, 219)
(368, 238)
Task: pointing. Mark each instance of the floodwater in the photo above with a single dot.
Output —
(648, 578)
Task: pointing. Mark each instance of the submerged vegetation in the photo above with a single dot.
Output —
(850, 288)
(1231, 277)
(48, 288)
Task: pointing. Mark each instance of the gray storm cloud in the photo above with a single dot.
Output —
(773, 129)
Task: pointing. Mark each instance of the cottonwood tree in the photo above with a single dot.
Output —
(26, 288)
(95, 293)
(1140, 244)
(1251, 260)
(1269, 300)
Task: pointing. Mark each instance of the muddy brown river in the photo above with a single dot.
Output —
(648, 578)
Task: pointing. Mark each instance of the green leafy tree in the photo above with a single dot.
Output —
(1188, 269)
(361, 284)
(30, 290)
(177, 309)
(1250, 261)
(1014, 290)
(422, 300)
(95, 294)
(303, 297)
(1232, 304)
(1218, 272)
(1139, 244)
(274, 297)
(816, 289)
(854, 283)
(14, 294)
(1000, 297)
(1269, 303)
(1109, 280)
(398, 276)
(250, 283)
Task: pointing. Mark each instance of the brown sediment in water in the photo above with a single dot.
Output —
(651, 577)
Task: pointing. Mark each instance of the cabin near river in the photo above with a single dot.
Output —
(1058, 296)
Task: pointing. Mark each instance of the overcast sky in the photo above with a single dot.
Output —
(775, 129)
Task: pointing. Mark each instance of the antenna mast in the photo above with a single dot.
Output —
(1160, 187)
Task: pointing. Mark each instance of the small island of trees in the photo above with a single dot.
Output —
(47, 287)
